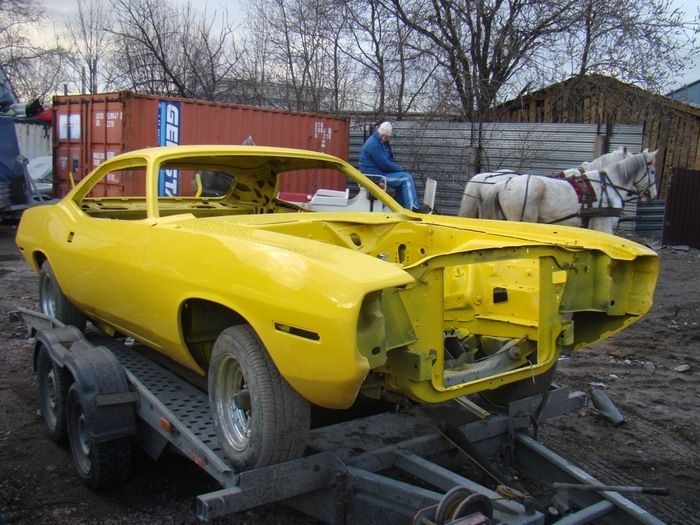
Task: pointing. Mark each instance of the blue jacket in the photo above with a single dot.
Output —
(376, 157)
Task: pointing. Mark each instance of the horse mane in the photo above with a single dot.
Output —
(608, 158)
(629, 167)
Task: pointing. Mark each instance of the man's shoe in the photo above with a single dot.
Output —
(424, 208)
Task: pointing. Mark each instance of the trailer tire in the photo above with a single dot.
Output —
(259, 418)
(54, 303)
(53, 383)
(99, 464)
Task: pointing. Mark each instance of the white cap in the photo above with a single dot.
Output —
(385, 129)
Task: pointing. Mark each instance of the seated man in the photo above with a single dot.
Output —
(376, 158)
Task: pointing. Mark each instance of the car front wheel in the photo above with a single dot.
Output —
(260, 420)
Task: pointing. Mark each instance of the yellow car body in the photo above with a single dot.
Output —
(431, 307)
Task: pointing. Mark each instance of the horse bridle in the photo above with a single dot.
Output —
(644, 192)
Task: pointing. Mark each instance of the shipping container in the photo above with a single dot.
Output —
(89, 129)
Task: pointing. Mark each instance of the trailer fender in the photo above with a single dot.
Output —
(105, 397)
(56, 341)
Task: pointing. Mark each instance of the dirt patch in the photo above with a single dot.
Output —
(649, 371)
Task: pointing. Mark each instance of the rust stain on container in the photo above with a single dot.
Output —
(88, 129)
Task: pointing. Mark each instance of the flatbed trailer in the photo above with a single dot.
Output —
(446, 465)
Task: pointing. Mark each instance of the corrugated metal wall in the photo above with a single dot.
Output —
(681, 217)
(33, 137)
(650, 219)
(440, 150)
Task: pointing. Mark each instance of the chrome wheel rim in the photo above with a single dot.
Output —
(235, 422)
(47, 302)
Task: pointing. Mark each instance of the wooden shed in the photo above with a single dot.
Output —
(671, 126)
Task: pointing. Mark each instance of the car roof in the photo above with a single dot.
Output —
(228, 149)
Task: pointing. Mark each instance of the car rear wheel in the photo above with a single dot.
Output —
(54, 303)
(53, 383)
(259, 418)
(99, 464)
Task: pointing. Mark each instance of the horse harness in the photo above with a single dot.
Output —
(587, 197)
(488, 182)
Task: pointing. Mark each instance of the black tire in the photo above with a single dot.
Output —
(259, 419)
(99, 465)
(532, 386)
(53, 383)
(54, 303)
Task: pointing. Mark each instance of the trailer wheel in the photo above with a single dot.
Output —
(99, 465)
(259, 419)
(54, 303)
(53, 383)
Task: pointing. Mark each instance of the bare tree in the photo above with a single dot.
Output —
(39, 78)
(16, 16)
(299, 41)
(254, 63)
(413, 75)
(393, 56)
(33, 68)
(482, 44)
(165, 49)
(637, 41)
(369, 30)
(88, 40)
(341, 71)
(498, 49)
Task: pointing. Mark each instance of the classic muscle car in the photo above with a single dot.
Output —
(280, 307)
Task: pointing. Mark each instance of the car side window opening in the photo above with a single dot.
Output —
(119, 194)
(126, 184)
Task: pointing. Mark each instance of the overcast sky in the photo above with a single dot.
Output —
(692, 72)
(58, 9)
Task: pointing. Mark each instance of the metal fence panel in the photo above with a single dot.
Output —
(650, 219)
(681, 218)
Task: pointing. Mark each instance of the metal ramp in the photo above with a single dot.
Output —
(176, 410)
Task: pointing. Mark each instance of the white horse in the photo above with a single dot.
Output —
(595, 199)
(481, 185)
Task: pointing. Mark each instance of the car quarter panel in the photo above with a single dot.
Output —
(96, 269)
